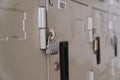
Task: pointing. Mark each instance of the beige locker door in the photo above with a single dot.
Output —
(70, 25)
(116, 60)
(101, 24)
(79, 48)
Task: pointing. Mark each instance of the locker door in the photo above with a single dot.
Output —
(115, 19)
(80, 49)
(59, 20)
(70, 24)
(101, 22)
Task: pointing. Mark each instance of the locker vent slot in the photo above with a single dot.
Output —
(79, 2)
(100, 10)
(102, 0)
(64, 68)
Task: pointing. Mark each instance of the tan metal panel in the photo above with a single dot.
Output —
(23, 60)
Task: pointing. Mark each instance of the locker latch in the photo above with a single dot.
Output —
(52, 47)
(114, 44)
(96, 48)
(113, 38)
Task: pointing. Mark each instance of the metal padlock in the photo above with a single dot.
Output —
(95, 45)
(52, 48)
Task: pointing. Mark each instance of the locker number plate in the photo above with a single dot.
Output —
(62, 5)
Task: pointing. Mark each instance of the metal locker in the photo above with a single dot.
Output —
(79, 53)
(101, 24)
(103, 20)
(21, 59)
(70, 24)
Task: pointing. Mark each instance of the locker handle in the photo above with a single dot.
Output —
(64, 64)
(115, 46)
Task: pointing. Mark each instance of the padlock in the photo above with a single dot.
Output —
(95, 45)
(52, 48)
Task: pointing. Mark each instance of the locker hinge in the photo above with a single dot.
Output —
(47, 36)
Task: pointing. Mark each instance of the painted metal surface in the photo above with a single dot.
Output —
(20, 54)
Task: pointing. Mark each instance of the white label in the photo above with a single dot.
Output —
(110, 25)
(112, 68)
(90, 23)
(91, 75)
(111, 2)
(111, 29)
(90, 36)
(90, 27)
(61, 5)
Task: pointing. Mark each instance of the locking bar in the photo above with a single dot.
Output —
(114, 44)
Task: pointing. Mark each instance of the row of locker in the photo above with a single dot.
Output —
(74, 21)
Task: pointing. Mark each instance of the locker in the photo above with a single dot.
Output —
(101, 24)
(20, 59)
(74, 21)
(79, 56)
